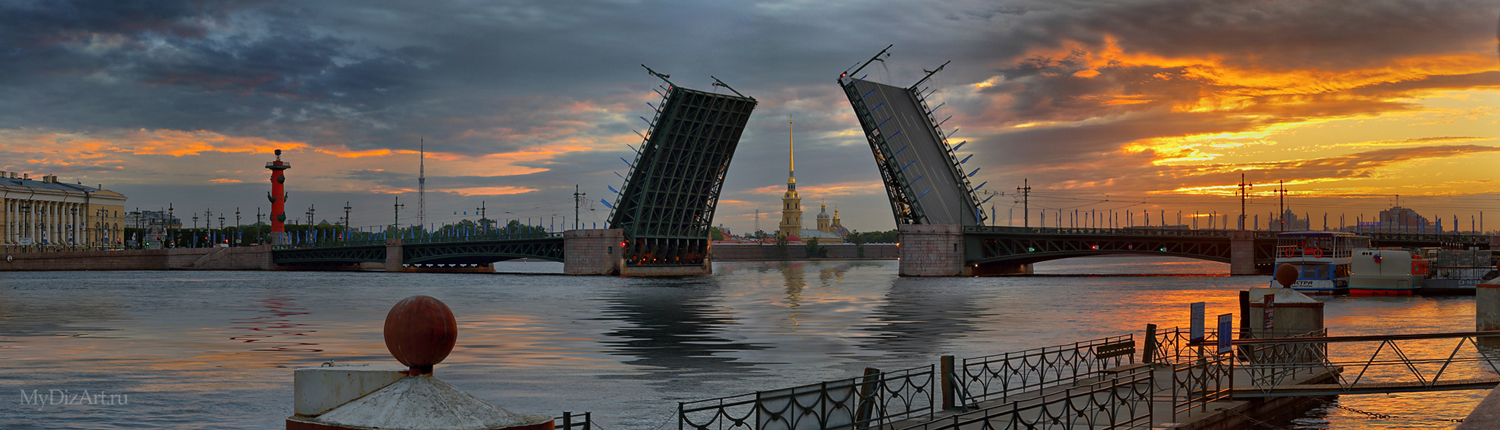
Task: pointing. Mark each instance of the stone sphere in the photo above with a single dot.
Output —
(1286, 275)
(420, 331)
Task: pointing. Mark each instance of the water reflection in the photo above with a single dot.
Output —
(675, 327)
(272, 322)
(24, 313)
(920, 316)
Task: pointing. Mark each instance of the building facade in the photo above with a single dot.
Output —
(46, 213)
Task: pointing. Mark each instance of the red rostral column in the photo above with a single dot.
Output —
(278, 198)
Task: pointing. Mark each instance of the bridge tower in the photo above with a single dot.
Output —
(278, 198)
(666, 206)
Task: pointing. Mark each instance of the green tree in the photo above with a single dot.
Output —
(814, 250)
(781, 246)
(715, 234)
(859, 244)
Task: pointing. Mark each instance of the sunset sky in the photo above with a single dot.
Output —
(1129, 105)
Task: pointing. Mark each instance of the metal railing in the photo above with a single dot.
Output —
(1003, 375)
(875, 400)
(1122, 401)
(1395, 363)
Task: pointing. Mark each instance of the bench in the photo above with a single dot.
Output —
(1122, 348)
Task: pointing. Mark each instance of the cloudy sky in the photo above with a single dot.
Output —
(1131, 105)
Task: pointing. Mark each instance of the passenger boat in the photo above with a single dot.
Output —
(1385, 272)
(1322, 257)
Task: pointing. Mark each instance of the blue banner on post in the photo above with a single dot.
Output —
(1226, 327)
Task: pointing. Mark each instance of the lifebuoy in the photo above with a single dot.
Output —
(1315, 252)
(1287, 252)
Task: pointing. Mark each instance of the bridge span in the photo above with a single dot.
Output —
(931, 250)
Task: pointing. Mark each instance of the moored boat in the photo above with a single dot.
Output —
(1384, 272)
(1321, 257)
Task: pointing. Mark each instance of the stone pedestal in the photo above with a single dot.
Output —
(1487, 311)
(931, 250)
(1293, 313)
(593, 252)
(393, 255)
(1242, 252)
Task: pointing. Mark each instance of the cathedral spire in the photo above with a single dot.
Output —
(791, 161)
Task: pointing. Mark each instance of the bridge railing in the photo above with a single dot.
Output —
(1000, 376)
(872, 401)
(1121, 401)
(492, 235)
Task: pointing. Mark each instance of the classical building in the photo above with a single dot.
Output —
(791, 209)
(50, 213)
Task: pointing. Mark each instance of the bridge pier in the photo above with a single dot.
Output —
(1242, 253)
(931, 250)
(393, 255)
(593, 252)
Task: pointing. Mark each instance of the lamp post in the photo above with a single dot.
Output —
(239, 236)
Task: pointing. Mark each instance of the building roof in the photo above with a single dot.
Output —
(33, 184)
(808, 233)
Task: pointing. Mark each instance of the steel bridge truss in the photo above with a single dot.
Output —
(904, 191)
(482, 253)
(667, 203)
(328, 255)
(988, 245)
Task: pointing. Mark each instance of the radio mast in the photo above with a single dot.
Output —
(422, 182)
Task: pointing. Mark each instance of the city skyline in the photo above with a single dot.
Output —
(1156, 106)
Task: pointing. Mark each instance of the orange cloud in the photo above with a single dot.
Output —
(225, 181)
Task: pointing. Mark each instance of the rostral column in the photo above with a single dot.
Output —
(278, 198)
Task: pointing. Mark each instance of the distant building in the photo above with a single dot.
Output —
(1404, 219)
(1290, 222)
(145, 219)
(51, 213)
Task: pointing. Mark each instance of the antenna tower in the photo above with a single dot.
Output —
(422, 182)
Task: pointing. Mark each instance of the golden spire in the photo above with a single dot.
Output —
(791, 161)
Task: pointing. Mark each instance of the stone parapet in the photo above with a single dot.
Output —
(236, 258)
(931, 250)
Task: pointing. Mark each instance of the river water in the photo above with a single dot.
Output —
(217, 349)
